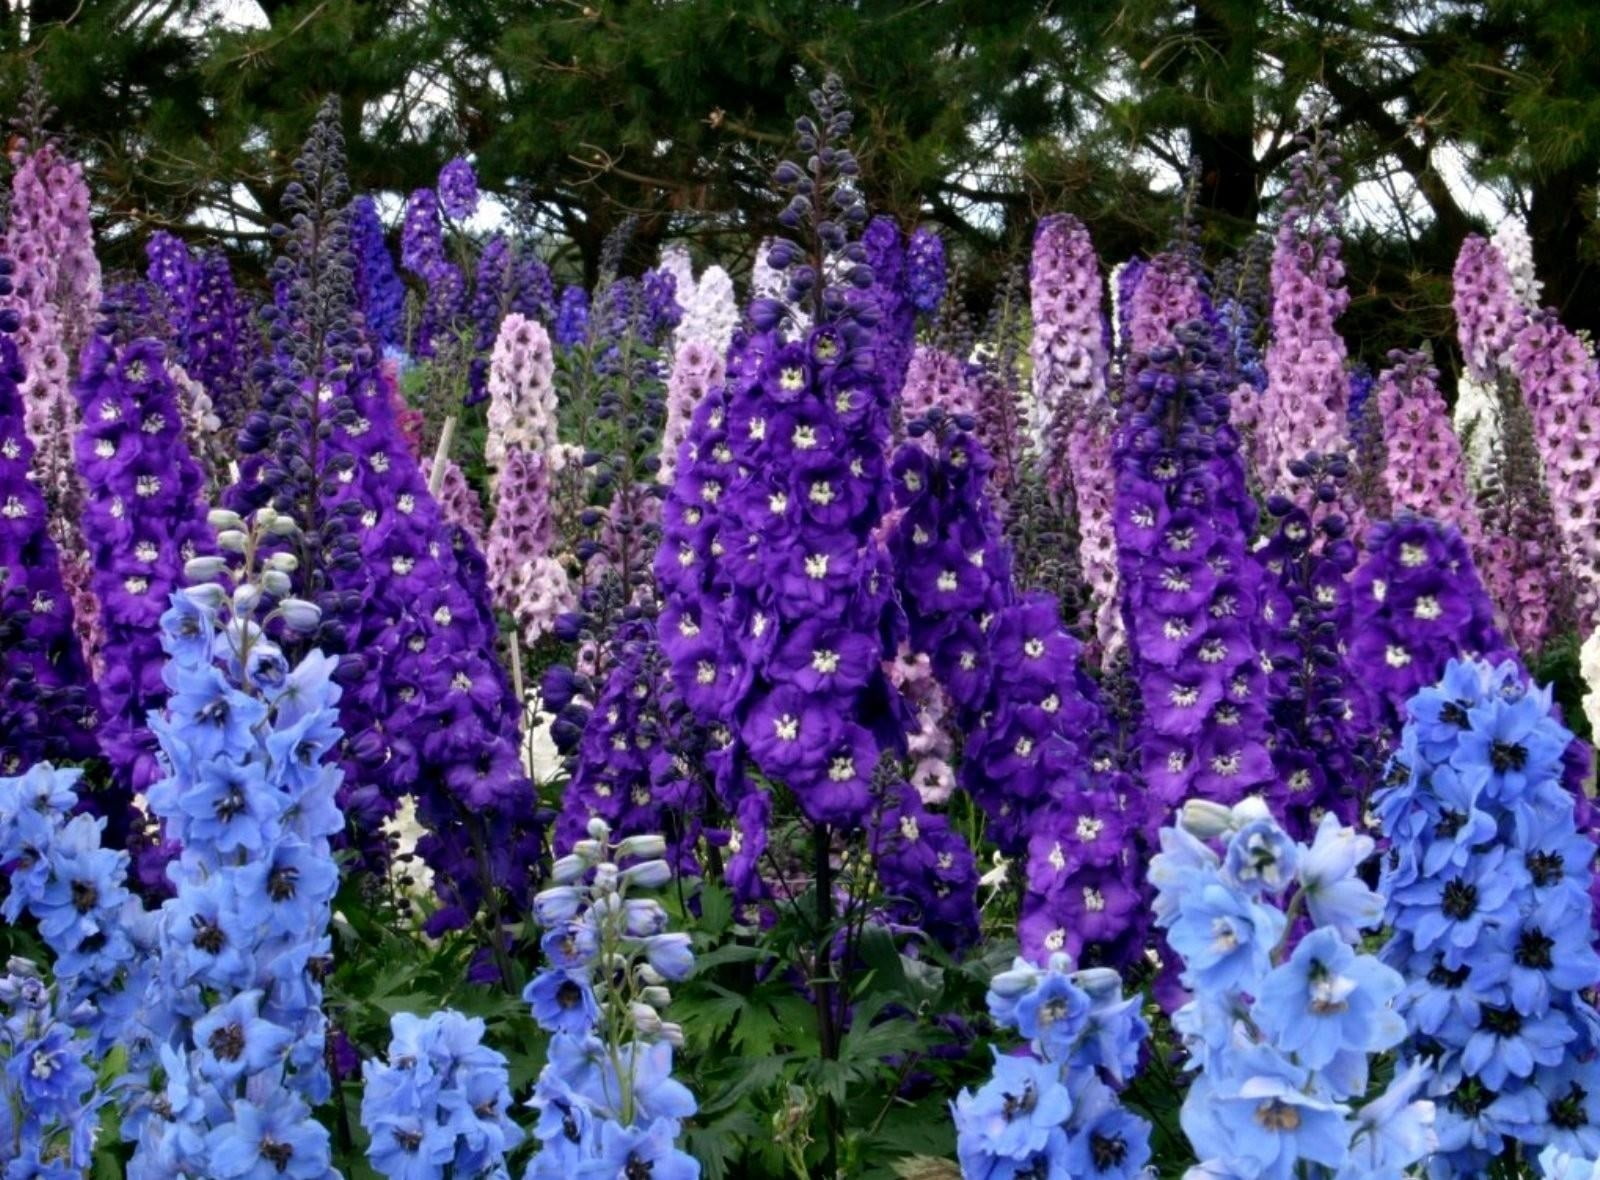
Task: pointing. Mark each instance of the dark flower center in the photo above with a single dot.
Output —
(1503, 1022)
(1454, 713)
(1504, 756)
(1460, 900)
(283, 882)
(408, 1140)
(1442, 976)
(569, 995)
(84, 896)
(1471, 1097)
(208, 936)
(1276, 1115)
(1108, 1151)
(216, 713)
(1450, 823)
(1568, 1112)
(230, 804)
(638, 1169)
(227, 1043)
(1546, 867)
(277, 1154)
(569, 1127)
(1019, 1104)
(1533, 949)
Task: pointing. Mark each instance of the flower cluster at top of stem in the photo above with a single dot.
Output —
(227, 1046)
(1488, 885)
(439, 1104)
(1054, 1111)
(608, 1104)
(1287, 1012)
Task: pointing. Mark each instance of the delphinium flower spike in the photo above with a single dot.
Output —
(1318, 702)
(48, 701)
(1305, 407)
(383, 295)
(144, 518)
(1055, 1110)
(233, 1015)
(1488, 883)
(1285, 1020)
(1561, 385)
(607, 1102)
(55, 293)
(1190, 590)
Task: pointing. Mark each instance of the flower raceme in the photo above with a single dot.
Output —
(1286, 1012)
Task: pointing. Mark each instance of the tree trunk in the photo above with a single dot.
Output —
(1562, 224)
(1222, 131)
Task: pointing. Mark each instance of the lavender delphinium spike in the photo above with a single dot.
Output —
(55, 291)
(1305, 407)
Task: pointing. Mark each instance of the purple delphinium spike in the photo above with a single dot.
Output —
(925, 269)
(48, 703)
(1417, 605)
(1190, 594)
(491, 292)
(572, 317)
(458, 189)
(383, 295)
(533, 293)
(1318, 701)
(885, 253)
(143, 519)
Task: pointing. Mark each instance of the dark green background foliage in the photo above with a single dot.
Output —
(975, 115)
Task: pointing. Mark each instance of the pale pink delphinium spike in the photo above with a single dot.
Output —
(1425, 470)
(1306, 406)
(1562, 388)
(523, 451)
(1068, 348)
(522, 392)
(697, 367)
(937, 380)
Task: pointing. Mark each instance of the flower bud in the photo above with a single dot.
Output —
(555, 906)
(204, 569)
(287, 562)
(649, 846)
(299, 614)
(208, 595)
(670, 954)
(568, 869)
(1099, 982)
(246, 598)
(656, 997)
(645, 917)
(671, 1033)
(283, 526)
(275, 583)
(1022, 978)
(224, 518)
(645, 1018)
(1205, 819)
(648, 975)
(599, 829)
(593, 851)
(650, 874)
(232, 540)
